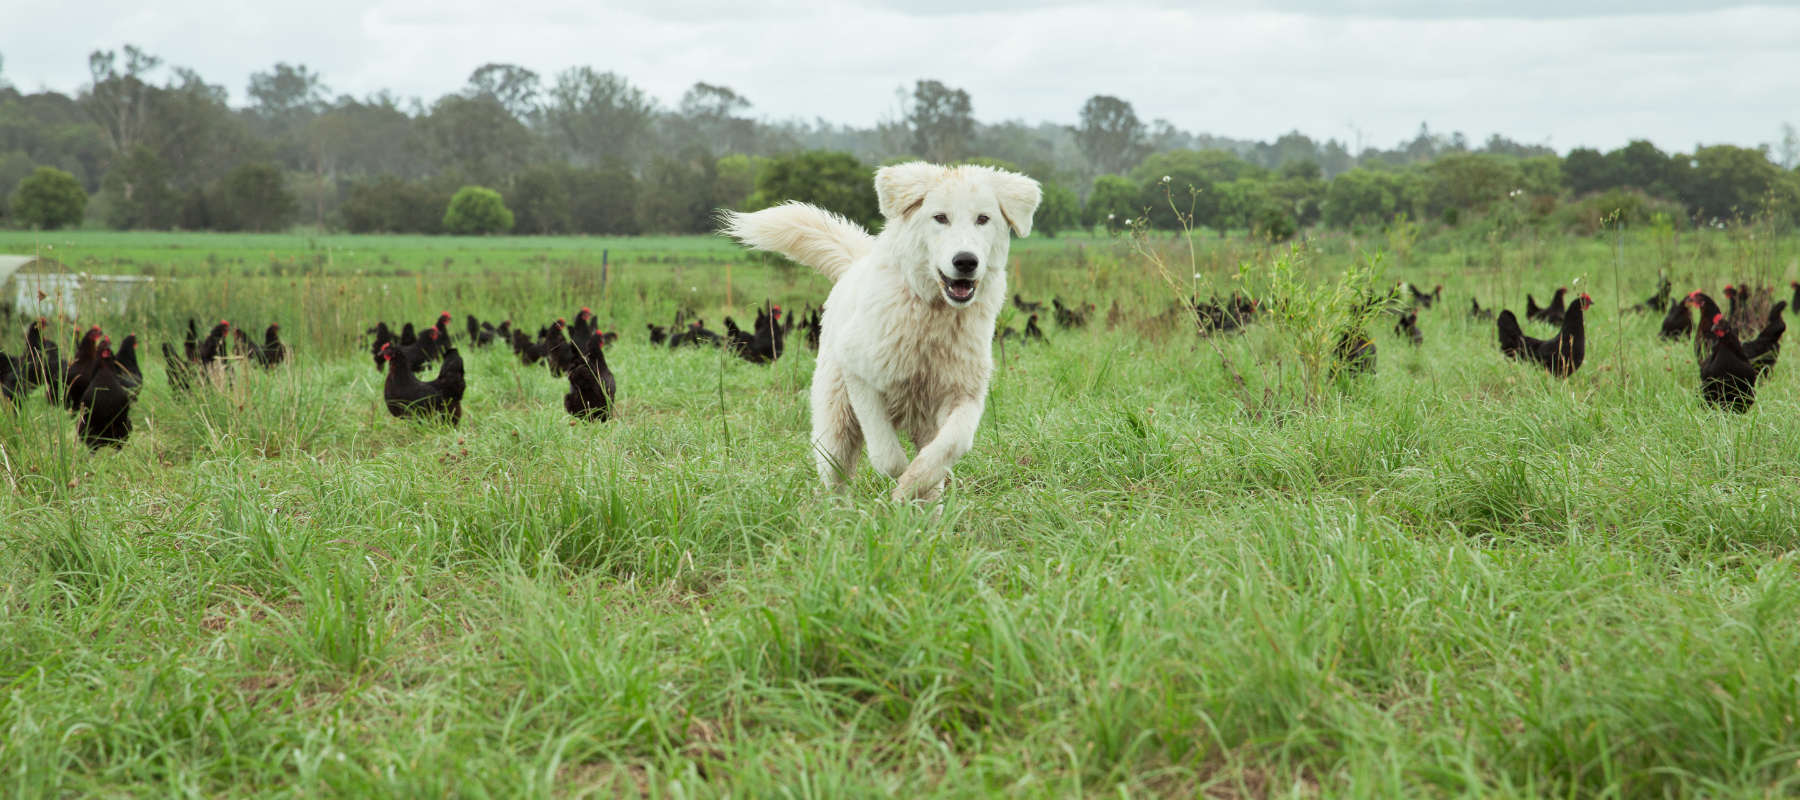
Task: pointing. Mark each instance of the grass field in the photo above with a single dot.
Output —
(1457, 577)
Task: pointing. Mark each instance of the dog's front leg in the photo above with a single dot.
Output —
(885, 452)
(925, 476)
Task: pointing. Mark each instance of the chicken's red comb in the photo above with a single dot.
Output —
(1717, 318)
(588, 310)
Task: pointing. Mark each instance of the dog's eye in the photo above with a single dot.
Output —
(942, 219)
(981, 220)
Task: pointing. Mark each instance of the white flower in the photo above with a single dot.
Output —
(693, 288)
(1109, 216)
(1165, 179)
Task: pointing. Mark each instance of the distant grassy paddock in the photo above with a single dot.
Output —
(1455, 578)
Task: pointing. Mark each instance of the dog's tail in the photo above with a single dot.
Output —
(805, 233)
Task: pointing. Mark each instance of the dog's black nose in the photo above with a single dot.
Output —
(965, 261)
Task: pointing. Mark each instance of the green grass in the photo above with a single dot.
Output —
(1458, 577)
(214, 255)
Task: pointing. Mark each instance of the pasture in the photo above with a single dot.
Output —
(1170, 567)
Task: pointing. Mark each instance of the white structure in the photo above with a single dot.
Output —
(52, 294)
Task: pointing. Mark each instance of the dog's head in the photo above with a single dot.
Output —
(954, 224)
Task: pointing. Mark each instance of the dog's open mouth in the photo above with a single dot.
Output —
(959, 290)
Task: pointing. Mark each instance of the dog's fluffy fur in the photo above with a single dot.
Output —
(905, 345)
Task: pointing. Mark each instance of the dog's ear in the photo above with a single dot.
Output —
(902, 187)
(1019, 197)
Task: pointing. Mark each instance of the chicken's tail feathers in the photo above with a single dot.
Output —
(1512, 337)
(803, 232)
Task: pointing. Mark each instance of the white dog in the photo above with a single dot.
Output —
(908, 329)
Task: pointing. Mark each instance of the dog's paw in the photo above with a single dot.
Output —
(905, 493)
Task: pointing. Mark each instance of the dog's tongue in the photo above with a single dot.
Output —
(962, 290)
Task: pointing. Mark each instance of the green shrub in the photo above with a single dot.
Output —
(1273, 224)
(828, 179)
(51, 199)
(1059, 211)
(1114, 202)
(1596, 212)
(477, 210)
(391, 205)
(539, 202)
(255, 199)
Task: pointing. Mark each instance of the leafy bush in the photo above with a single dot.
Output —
(1273, 224)
(477, 210)
(1360, 196)
(1060, 210)
(828, 179)
(1191, 188)
(602, 202)
(677, 194)
(137, 192)
(51, 198)
(539, 202)
(255, 199)
(1595, 212)
(391, 205)
(1114, 202)
(735, 181)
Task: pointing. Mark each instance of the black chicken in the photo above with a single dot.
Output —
(383, 338)
(767, 344)
(1408, 326)
(1029, 308)
(1477, 312)
(216, 347)
(126, 355)
(1678, 322)
(104, 410)
(1424, 299)
(1766, 347)
(584, 324)
(407, 396)
(1554, 314)
(1355, 354)
(1563, 354)
(1071, 316)
(1703, 338)
(425, 349)
(1533, 313)
(1033, 333)
(12, 375)
(190, 345)
(737, 340)
(44, 365)
(274, 350)
(591, 383)
(1658, 301)
(81, 369)
(1727, 378)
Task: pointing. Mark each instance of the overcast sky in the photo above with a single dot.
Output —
(1568, 73)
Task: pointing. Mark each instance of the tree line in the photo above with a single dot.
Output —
(145, 145)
